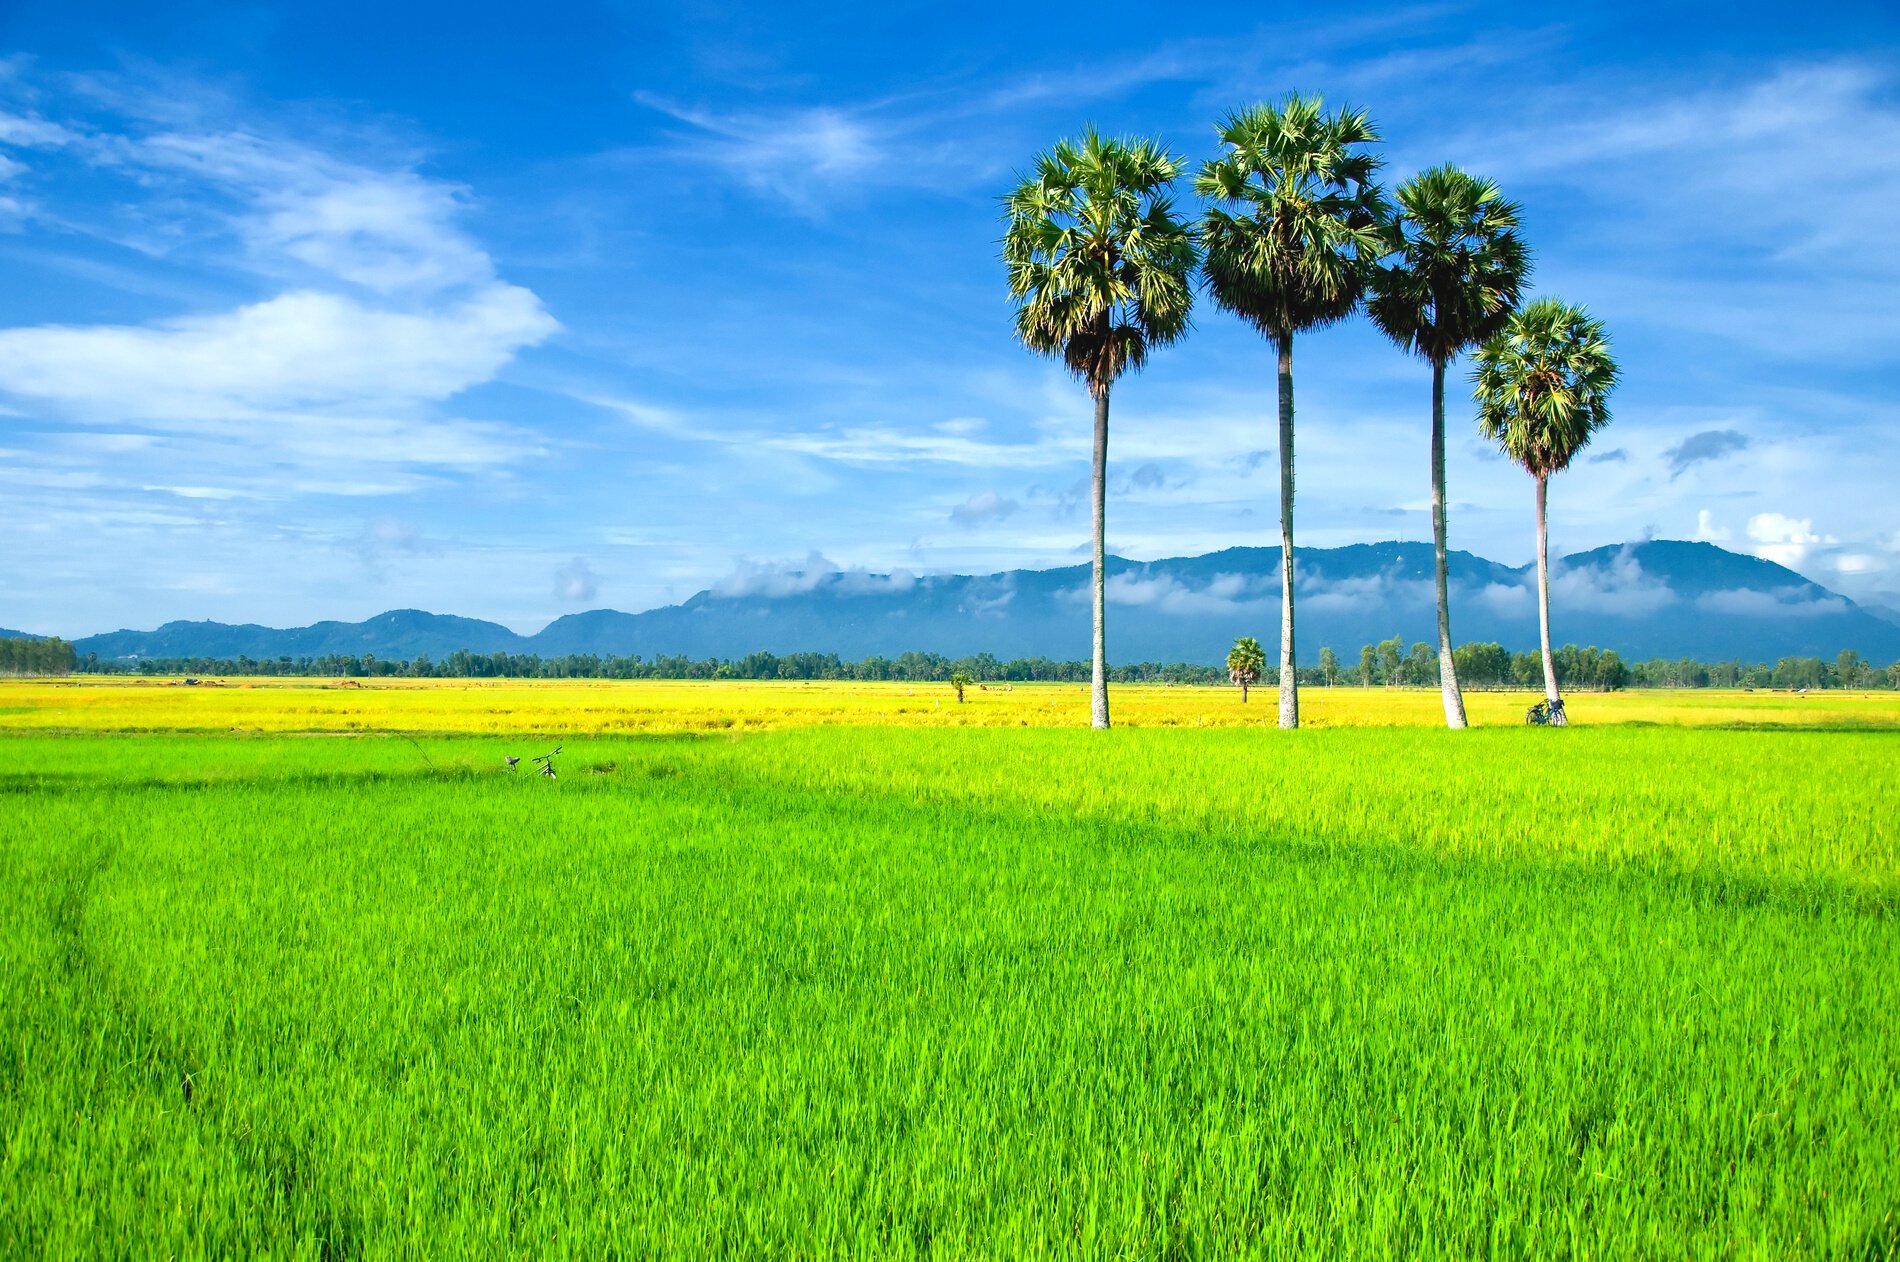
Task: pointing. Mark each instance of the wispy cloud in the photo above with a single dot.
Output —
(1710, 444)
(575, 581)
(982, 509)
(387, 310)
(806, 157)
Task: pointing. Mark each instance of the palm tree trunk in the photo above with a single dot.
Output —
(1543, 588)
(1098, 694)
(1447, 669)
(1289, 672)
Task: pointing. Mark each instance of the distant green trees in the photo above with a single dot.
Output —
(48, 656)
(1480, 665)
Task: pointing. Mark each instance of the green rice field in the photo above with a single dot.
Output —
(872, 991)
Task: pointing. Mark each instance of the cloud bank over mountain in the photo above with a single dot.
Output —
(1651, 599)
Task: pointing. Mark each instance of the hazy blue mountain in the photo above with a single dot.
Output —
(400, 633)
(1651, 599)
(17, 635)
(1658, 598)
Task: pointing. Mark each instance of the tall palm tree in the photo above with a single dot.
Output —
(1296, 222)
(1100, 268)
(1454, 268)
(1543, 384)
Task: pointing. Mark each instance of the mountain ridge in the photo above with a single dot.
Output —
(1657, 598)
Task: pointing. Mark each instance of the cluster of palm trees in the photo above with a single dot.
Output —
(1298, 235)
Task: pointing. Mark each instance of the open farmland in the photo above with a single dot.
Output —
(861, 974)
(603, 707)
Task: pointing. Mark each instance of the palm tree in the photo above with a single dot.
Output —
(1100, 268)
(1290, 256)
(1543, 384)
(1244, 664)
(1454, 269)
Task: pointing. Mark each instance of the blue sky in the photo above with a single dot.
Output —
(312, 311)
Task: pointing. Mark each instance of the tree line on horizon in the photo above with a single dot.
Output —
(1388, 664)
(1297, 235)
(36, 655)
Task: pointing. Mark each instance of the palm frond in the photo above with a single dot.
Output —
(1454, 264)
(1296, 217)
(1100, 265)
(1543, 383)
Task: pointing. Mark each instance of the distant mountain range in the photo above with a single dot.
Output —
(1654, 599)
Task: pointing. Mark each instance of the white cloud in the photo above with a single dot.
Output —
(885, 445)
(989, 597)
(755, 578)
(1224, 593)
(388, 539)
(1506, 599)
(982, 509)
(574, 581)
(1783, 602)
(790, 143)
(385, 310)
(797, 156)
(1706, 531)
(1621, 588)
(865, 583)
(385, 233)
(1761, 145)
(33, 133)
(388, 231)
(1784, 540)
(1359, 594)
(300, 349)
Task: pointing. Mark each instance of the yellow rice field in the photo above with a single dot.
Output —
(601, 707)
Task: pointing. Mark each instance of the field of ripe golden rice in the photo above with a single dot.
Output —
(603, 707)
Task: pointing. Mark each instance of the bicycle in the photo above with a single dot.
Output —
(1547, 714)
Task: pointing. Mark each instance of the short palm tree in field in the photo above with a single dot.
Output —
(1454, 269)
(1100, 268)
(1245, 661)
(1543, 385)
(1294, 224)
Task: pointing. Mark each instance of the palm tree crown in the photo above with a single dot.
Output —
(1099, 265)
(1543, 384)
(1456, 266)
(1297, 215)
(1245, 660)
